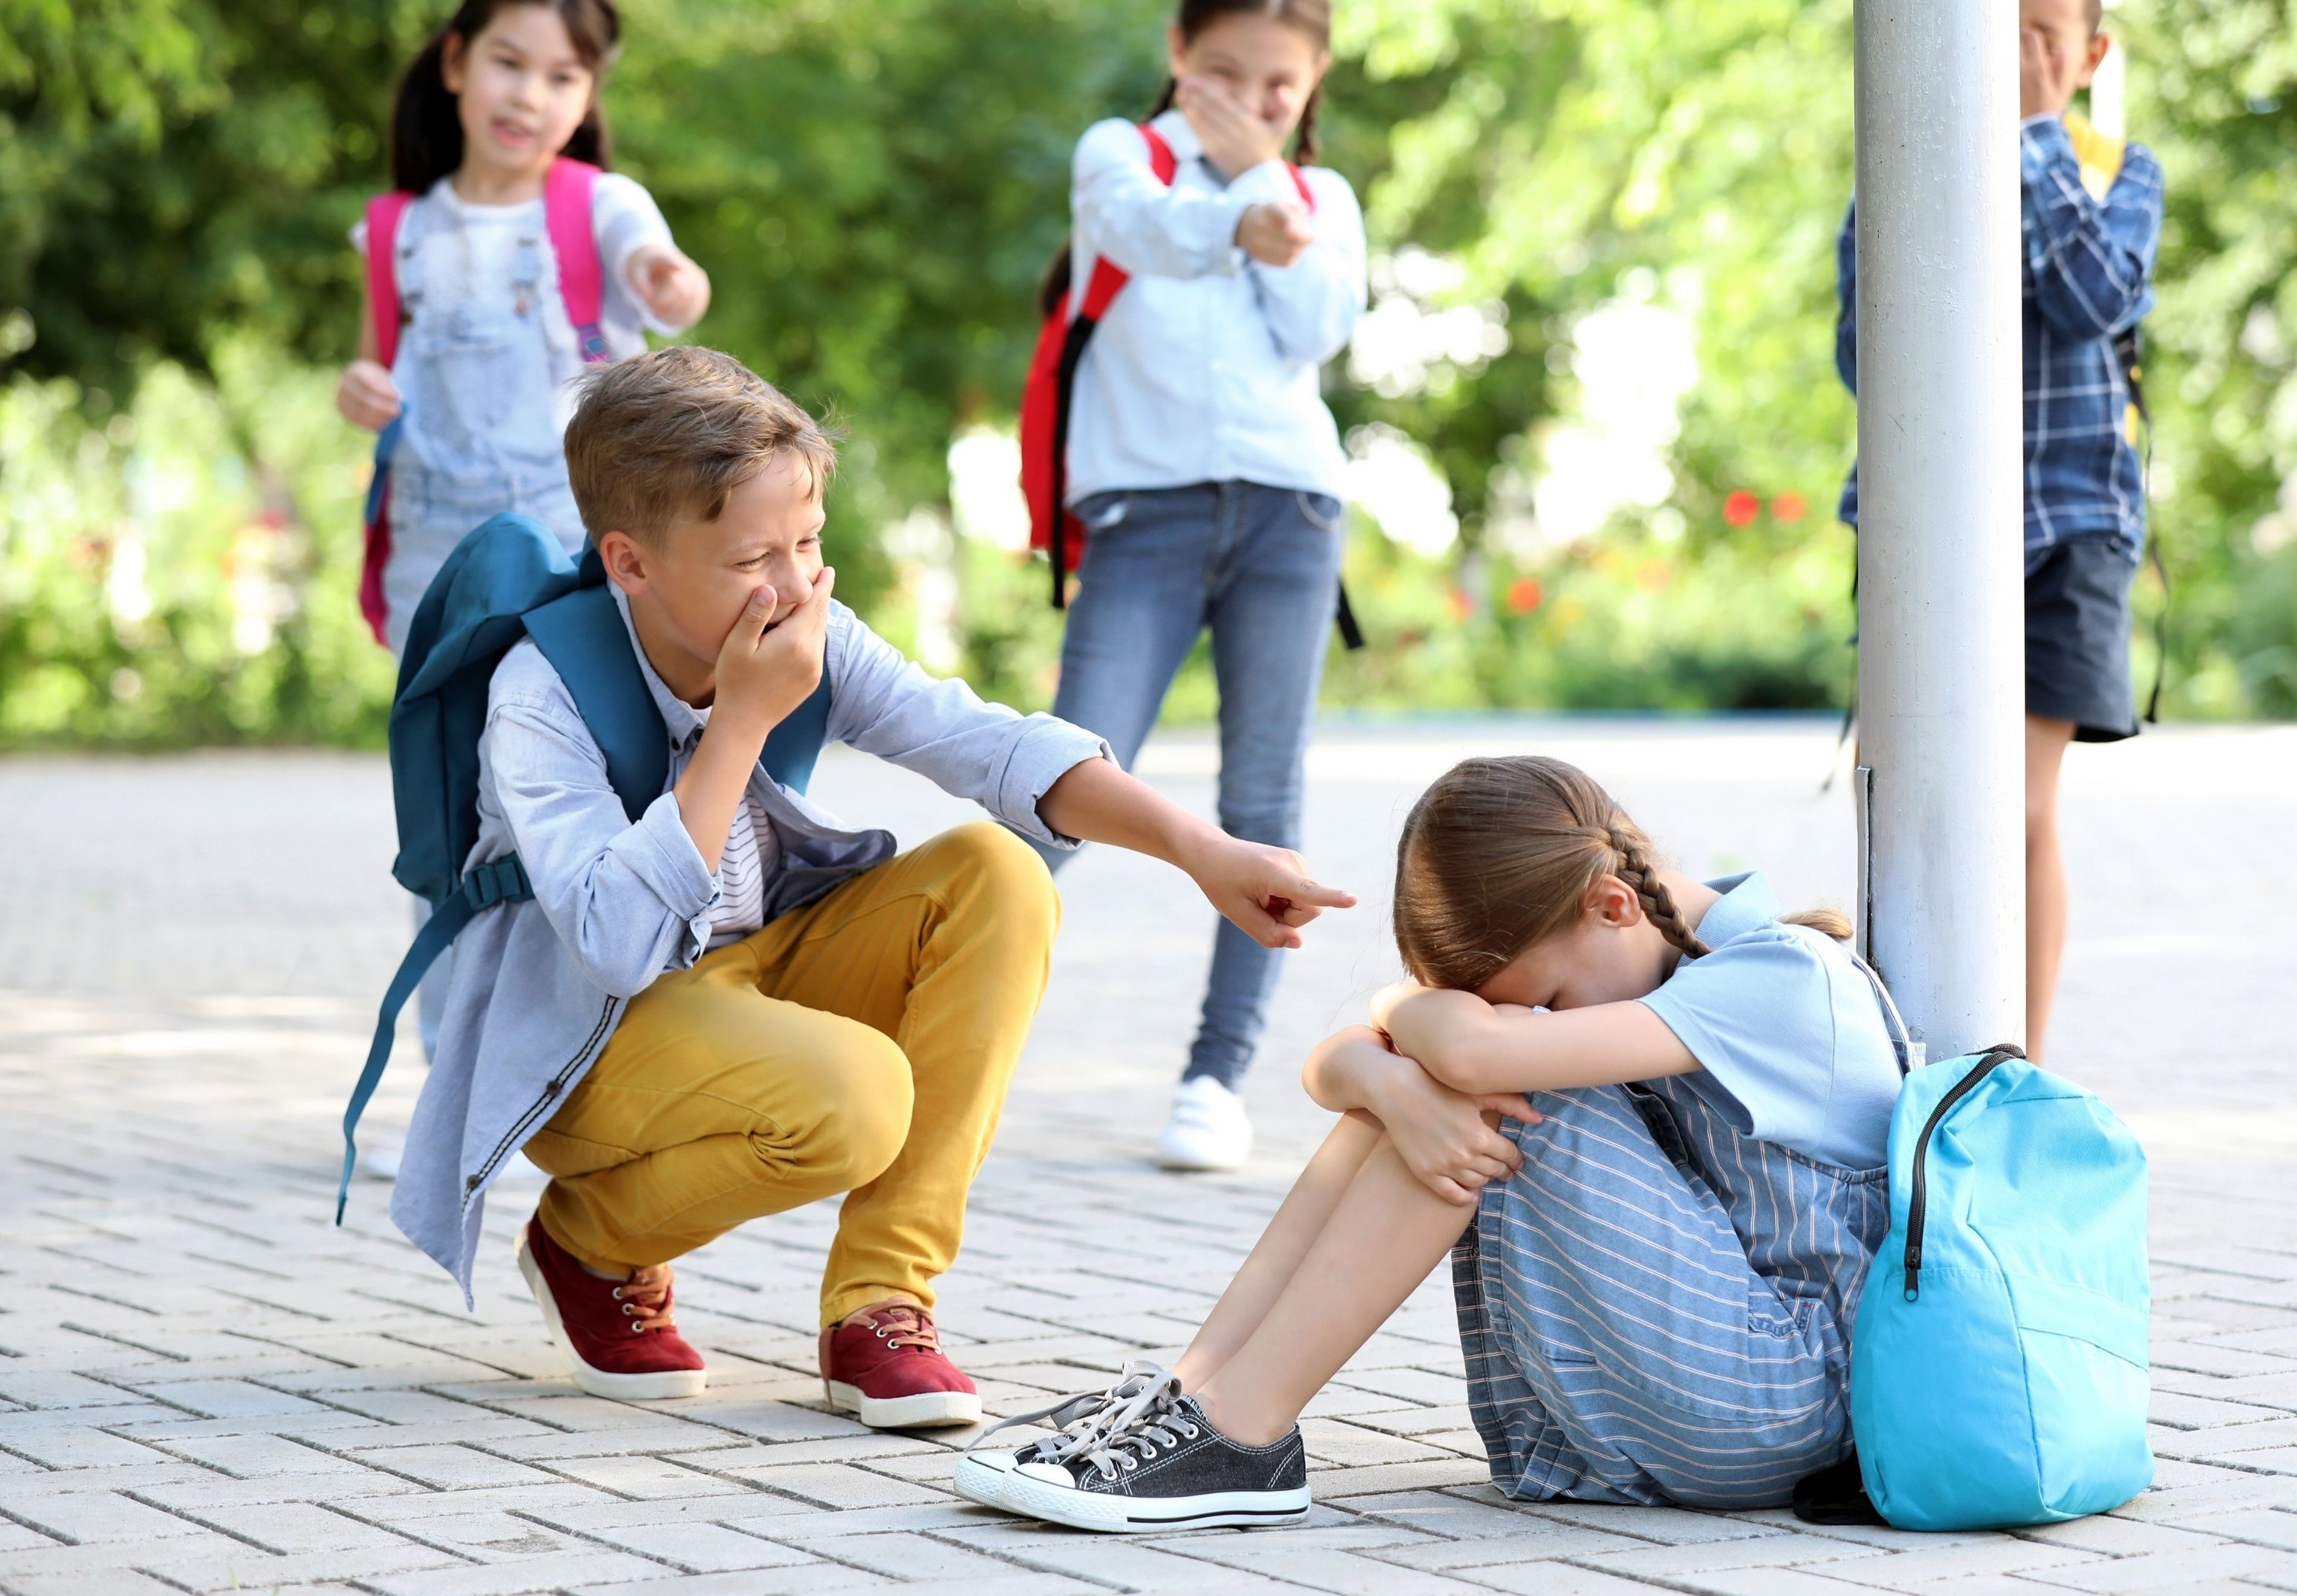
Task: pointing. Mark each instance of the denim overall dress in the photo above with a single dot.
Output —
(482, 430)
(1656, 1309)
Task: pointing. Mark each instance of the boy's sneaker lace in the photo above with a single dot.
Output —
(889, 1370)
(981, 1471)
(620, 1336)
(1156, 1463)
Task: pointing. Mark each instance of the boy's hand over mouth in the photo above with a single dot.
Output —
(767, 668)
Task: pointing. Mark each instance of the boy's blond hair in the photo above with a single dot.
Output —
(666, 436)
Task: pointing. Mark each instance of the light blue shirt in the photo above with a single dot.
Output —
(541, 985)
(1206, 368)
(1789, 1035)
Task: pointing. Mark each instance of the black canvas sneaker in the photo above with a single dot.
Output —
(1162, 1465)
(981, 1471)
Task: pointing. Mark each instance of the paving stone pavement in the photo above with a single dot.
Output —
(204, 1385)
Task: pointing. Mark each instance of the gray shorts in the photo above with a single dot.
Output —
(2078, 640)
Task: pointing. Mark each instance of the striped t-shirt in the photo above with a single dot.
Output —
(745, 863)
(743, 868)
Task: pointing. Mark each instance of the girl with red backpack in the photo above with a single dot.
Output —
(506, 259)
(1201, 471)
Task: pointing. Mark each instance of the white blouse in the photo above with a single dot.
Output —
(1206, 367)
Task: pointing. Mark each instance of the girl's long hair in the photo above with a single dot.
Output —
(426, 129)
(1501, 853)
(1312, 17)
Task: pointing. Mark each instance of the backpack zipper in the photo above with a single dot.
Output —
(1919, 1198)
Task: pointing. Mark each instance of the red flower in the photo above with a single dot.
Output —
(1523, 595)
(1787, 507)
(1740, 507)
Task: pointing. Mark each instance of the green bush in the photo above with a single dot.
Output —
(183, 571)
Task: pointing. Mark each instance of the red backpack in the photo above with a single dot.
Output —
(1052, 378)
(566, 195)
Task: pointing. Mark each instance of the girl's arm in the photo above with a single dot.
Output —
(1122, 211)
(674, 290)
(1472, 1046)
(1448, 1140)
(1312, 306)
(365, 395)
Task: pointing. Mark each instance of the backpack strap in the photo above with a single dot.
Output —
(1108, 278)
(793, 747)
(1912, 1054)
(384, 212)
(498, 881)
(567, 194)
(583, 638)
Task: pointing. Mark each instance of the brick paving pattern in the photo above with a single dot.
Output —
(204, 1385)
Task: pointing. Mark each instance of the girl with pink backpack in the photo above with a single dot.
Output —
(506, 259)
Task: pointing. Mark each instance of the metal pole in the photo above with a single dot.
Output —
(1941, 615)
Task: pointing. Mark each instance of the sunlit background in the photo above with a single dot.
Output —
(1595, 434)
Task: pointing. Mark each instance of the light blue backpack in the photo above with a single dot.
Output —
(1998, 1365)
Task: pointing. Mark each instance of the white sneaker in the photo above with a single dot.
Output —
(1208, 1130)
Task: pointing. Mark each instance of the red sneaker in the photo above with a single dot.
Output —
(889, 1370)
(619, 1336)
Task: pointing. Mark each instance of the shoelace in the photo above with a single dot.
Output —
(1131, 1433)
(1078, 1417)
(904, 1326)
(646, 1299)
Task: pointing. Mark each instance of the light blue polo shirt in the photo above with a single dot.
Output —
(1787, 1032)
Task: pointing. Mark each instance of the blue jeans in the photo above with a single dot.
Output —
(1261, 567)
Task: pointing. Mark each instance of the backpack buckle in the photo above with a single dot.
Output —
(498, 881)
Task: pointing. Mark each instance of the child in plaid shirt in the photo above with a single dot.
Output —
(2088, 261)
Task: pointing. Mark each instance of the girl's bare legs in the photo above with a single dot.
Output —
(1373, 1249)
(1280, 1249)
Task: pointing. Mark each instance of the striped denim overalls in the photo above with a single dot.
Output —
(484, 432)
(1656, 1309)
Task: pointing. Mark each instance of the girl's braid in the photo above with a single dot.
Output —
(1303, 144)
(1637, 870)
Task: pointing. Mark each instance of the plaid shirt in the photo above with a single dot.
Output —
(2084, 278)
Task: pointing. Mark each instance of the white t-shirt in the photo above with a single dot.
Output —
(466, 255)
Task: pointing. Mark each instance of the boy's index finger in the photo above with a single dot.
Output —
(1305, 891)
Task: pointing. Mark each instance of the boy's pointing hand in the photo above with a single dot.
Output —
(1266, 891)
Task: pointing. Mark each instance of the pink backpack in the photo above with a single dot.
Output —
(566, 195)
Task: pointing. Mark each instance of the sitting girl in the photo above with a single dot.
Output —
(1656, 1266)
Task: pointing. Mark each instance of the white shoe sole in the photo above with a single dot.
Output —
(927, 1410)
(1035, 1498)
(598, 1382)
(983, 1482)
(1197, 1162)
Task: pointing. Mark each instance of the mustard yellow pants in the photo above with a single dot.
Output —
(863, 1044)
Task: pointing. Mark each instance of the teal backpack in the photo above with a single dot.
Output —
(1999, 1363)
(506, 580)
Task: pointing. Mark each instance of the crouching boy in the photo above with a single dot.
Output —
(734, 1005)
